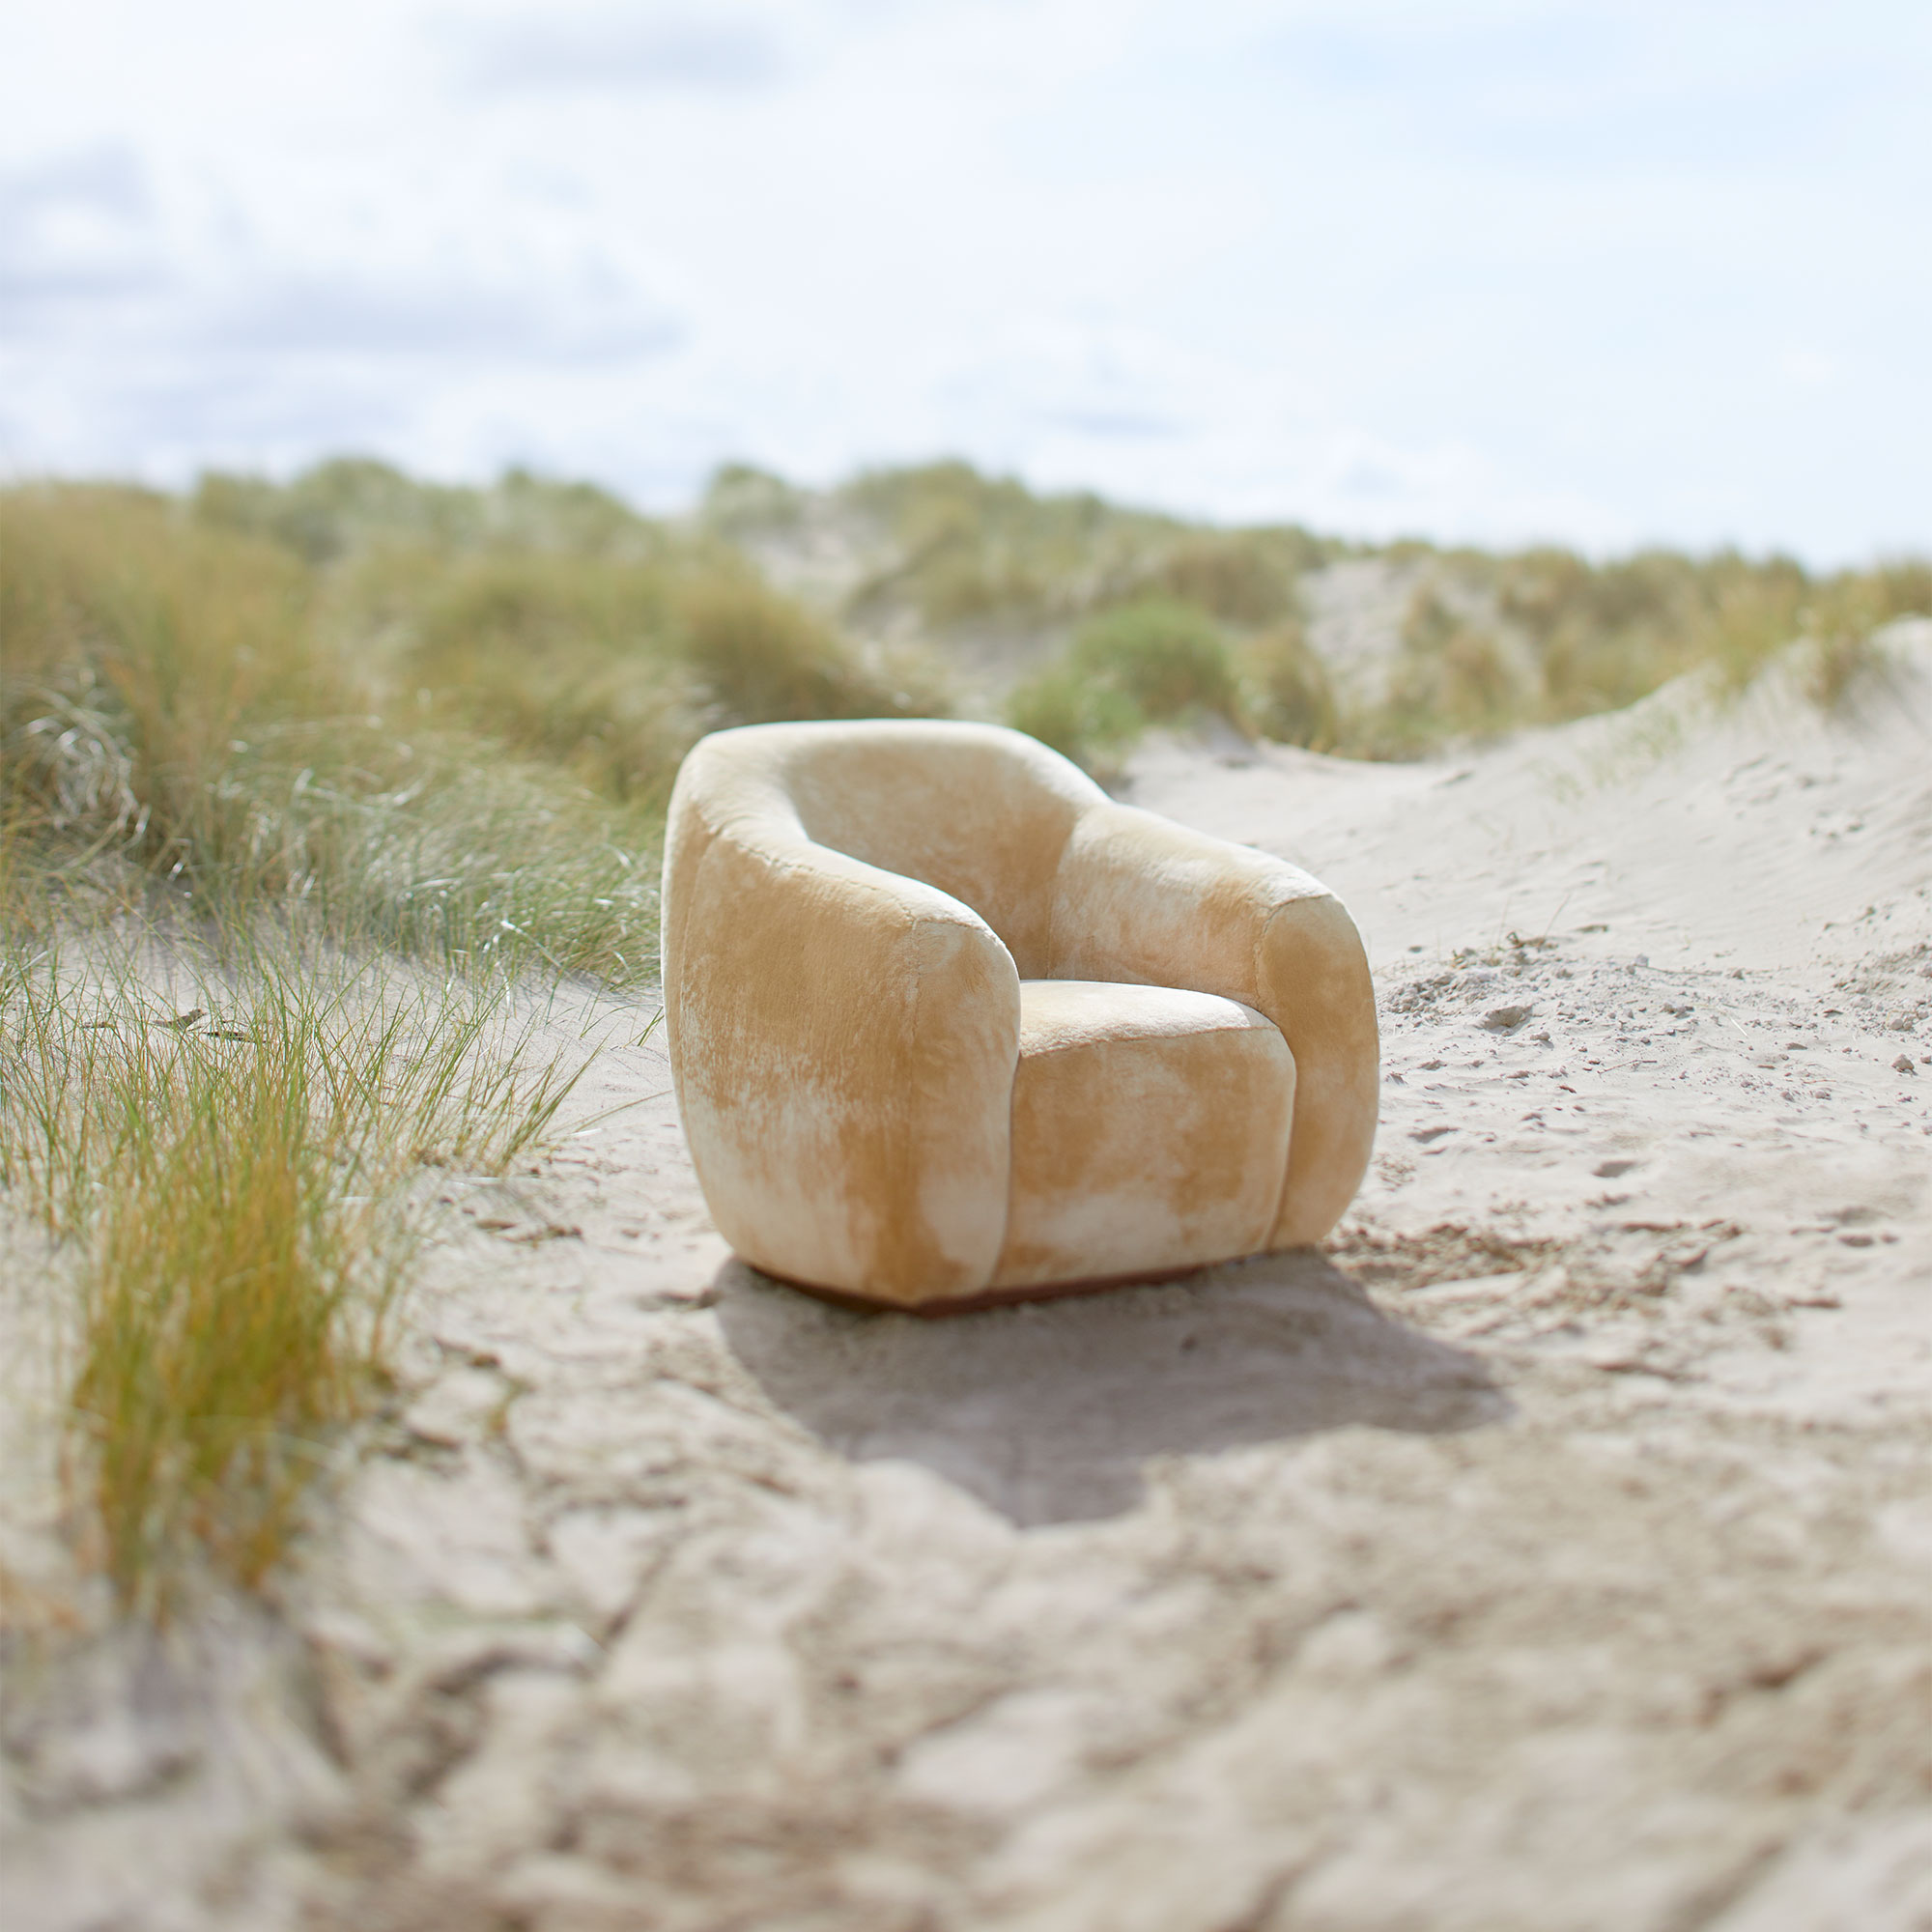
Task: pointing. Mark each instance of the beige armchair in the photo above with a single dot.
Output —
(948, 1024)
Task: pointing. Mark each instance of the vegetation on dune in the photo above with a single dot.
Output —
(289, 689)
(1290, 695)
(1487, 646)
(961, 550)
(353, 504)
(172, 695)
(307, 727)
(1489, 643)
(1148, 663)
(1602, 635)
(437, 720)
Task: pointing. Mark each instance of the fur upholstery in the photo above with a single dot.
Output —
(945, 1020)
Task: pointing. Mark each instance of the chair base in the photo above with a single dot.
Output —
(943, 1306)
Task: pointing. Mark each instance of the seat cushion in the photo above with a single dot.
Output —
(1150, 1132)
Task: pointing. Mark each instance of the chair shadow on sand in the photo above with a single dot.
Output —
(1047, 1411)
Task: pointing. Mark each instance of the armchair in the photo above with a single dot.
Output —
(949, 1025)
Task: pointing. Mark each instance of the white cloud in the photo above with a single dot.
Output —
(1488, 269)
(624, 49)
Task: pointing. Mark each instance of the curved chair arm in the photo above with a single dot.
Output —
(1141, 898)
(843, 1042)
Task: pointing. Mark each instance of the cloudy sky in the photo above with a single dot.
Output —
(1499, 269)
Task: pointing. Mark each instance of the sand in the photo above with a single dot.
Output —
(1554, 1552)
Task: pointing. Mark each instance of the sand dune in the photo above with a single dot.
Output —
(1554, 1554)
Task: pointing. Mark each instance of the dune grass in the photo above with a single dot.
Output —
(170, 700)
(964, 550)
(229, 1185)
(1291, 696)
(1487, 646)
(1604, 636)
(449, 740)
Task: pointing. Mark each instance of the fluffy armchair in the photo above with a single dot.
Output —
(947, 1024)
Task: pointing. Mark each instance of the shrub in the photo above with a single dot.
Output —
(1844, 614)
(1902, 587)
(1454, 679)
(1085, 721)
(1142, 664)
(743, 503)
(1164, 658)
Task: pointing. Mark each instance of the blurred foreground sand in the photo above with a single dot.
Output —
(1554, 1554)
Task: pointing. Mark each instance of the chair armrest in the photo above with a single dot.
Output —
(843, 1042)
(1142, 899)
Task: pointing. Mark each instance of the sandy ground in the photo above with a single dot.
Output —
(1555, 1552)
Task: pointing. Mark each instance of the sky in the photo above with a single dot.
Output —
(1486, 270)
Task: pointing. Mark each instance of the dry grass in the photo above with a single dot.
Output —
(228, 1181)
(1292, 697)
(1493, 644)
(461, 753)
(169, 699)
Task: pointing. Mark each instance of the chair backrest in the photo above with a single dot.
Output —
(978, 811)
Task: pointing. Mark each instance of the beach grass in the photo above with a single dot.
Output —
(228, 1148)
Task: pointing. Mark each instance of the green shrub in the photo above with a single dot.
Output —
(1088, 721)
(1140, 665)
(1164, 658)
